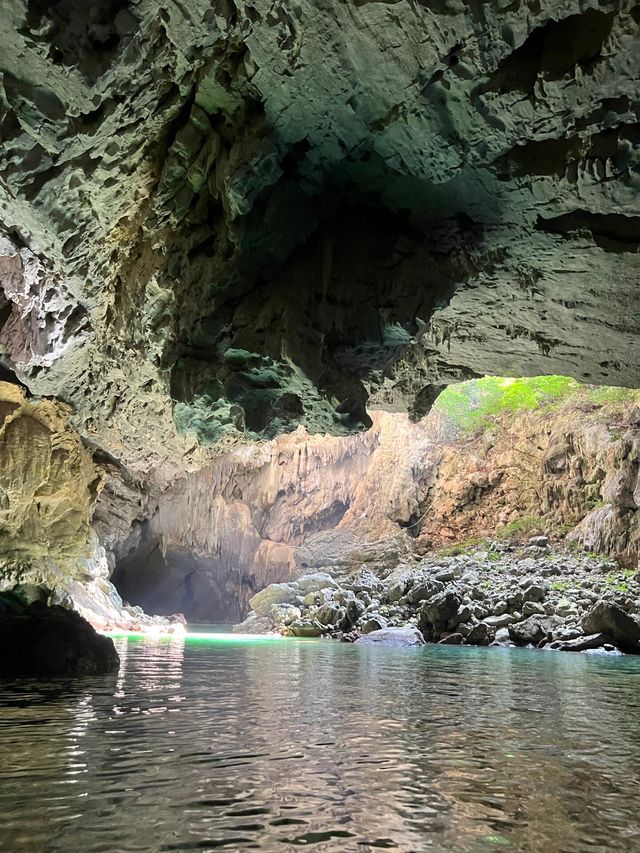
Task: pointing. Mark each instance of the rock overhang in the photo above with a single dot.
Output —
(255, 218)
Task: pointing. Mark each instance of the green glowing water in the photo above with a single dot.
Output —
(216, 743)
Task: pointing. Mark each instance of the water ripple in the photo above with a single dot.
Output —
(278, 746)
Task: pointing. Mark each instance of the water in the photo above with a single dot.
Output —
(281, 745)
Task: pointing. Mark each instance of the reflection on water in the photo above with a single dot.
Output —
(279, 745)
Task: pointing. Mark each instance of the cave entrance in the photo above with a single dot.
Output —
(177, 581)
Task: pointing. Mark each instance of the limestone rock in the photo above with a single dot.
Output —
(51, 642)
(392, 637)
(274, 594)
(612, 620)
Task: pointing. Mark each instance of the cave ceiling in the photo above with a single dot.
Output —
(220, 220)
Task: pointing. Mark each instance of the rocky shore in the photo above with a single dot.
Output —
(503, 595)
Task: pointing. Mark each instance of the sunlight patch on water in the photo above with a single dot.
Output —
(199, 636)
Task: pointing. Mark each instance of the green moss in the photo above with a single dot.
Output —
(479, 402)
(472, 543)
(476, 403)
(560, 585)
(526, 524)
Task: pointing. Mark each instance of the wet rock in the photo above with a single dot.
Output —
(451, 640)
(51, 642)
(579, 644)
(612, 620)
(392, 637)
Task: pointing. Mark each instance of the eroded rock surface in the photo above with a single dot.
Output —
(225, 220)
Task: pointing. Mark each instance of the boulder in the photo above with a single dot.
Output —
(392, 637)
(610, 619)
(314, 583)
(579, 644)
(373, 622)
(51, 642)
(275, 593)
(437, 611)
(355, 609)
(423, 590)
(254, 624)
(306, 628)
(501, 621)
(534, 630)
(536, 591)
(330, 614)
(398, 583)
(480, 635)
(365, 581)
(284, 614)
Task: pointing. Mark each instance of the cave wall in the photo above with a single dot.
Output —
(222, 221)
(256, 514)
(302, 503)
(47, 483)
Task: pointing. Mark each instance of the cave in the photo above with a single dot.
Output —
(319, 424)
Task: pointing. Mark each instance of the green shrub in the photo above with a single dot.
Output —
(526, 524)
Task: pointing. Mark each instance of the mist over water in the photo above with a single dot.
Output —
(284, 744)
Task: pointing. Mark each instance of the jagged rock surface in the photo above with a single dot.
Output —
(224, 220)
(309, 503)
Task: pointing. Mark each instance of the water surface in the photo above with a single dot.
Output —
(284, 744)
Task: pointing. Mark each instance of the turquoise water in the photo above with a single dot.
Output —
(282, 744)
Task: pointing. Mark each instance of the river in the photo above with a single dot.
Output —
(278, 745)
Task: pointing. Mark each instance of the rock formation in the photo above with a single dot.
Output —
(304, 503)
(225, 222)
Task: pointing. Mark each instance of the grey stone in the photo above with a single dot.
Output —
(437, 611)
(392, 637)
(375, 622)
(612, 620)
(284, 614)
(480, 635)
(275, 593)
(314, 582)
(534, 629)
(451, 640)
(424, 590)
(501, 621)
(531, 608)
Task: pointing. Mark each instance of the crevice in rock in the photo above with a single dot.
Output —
(612, 232)
(551, 51)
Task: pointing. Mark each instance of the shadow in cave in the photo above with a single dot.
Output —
(174, 580)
